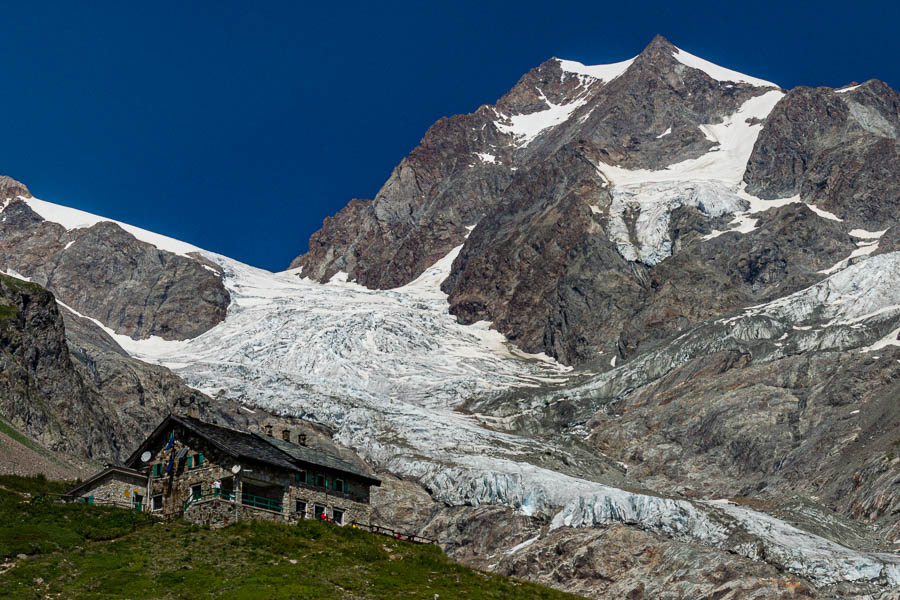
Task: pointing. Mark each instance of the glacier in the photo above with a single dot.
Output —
(388, 370)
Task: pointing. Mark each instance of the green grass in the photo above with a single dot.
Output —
(19, 285)
(8, 312)
(107, 553)
(14, 434)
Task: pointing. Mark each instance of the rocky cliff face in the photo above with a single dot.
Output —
(41, 392)
(593, 176)
(104, 272)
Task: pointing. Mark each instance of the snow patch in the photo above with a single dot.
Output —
(891, 339)
(864, 249)
(72, 218)
(523, 545)
(525, 128)
(735, 136)
(846, 89)
(486, 158)
(604, 73)
(824, 213)
(664, 133)
(716, 72)
(867, 235)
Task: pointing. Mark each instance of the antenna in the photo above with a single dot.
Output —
(236, 469)
(146, 456)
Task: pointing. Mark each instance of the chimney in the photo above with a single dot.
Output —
(193, 411)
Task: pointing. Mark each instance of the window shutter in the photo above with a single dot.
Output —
(199, 459)
(190, 462)
(309, 477)
(346, 487)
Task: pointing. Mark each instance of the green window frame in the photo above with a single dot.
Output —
(199, 459)
(157, 469)
(190, 462)
(346, 487)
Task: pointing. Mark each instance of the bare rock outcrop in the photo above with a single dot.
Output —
(105, 273)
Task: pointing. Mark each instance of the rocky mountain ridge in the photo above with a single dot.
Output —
(733, 317)
(575, 169)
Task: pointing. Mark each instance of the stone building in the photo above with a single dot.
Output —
(116, 485)
(216, 475)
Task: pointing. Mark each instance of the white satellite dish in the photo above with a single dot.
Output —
(236, 469)
(146, 456)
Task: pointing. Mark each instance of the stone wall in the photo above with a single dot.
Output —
(353, 511)
(176, 486)
(217, 513)
(116, 488)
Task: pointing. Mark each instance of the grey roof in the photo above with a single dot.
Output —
(253, 446)
(311, 456)
(108, 469)
(239, 444)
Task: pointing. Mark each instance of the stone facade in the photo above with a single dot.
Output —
(114, 487)
(182, 480)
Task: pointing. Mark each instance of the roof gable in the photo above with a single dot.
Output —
(137, 475)
(244, 445)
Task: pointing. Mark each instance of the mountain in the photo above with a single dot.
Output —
(631, 331)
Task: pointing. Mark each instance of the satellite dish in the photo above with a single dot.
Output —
(146, 456)
(236, 469)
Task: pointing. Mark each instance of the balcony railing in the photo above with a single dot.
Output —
(213, 493)
(261, 502)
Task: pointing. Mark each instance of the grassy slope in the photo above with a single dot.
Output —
(80, 551)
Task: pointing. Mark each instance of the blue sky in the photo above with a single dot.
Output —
(239, 126)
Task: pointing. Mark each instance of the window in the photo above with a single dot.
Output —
(196, 490)
(338, 515)
(301, 508)
(200, 459)
(338, 485)
(286, 435)
(320, 511)
(300, 477)
(157, 470)
(321, 481)
(156, 502)
(138, 502)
